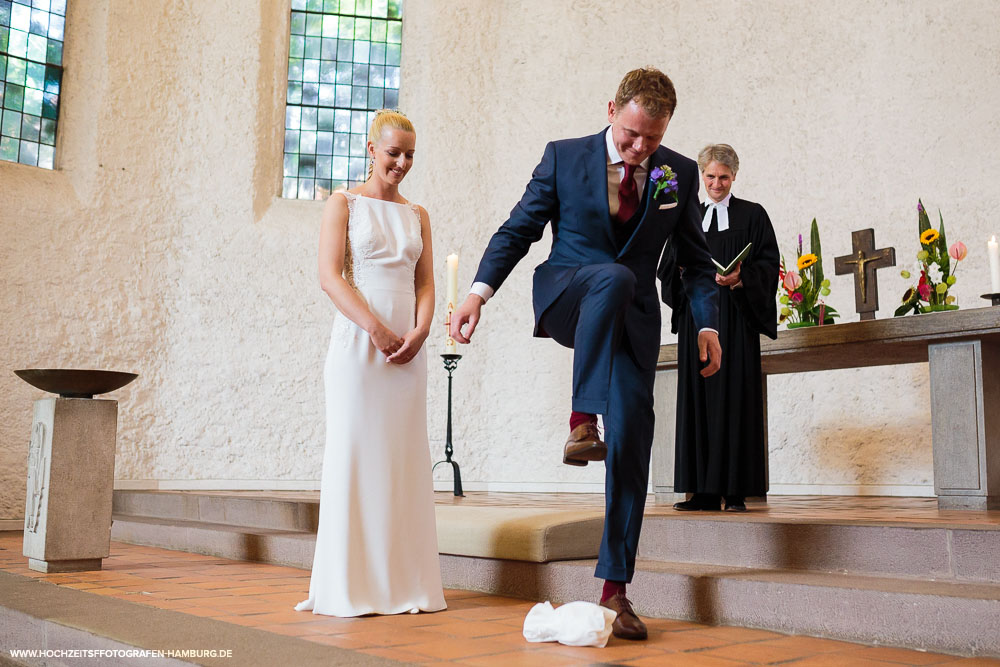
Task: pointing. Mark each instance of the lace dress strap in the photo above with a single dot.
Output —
(348, 254)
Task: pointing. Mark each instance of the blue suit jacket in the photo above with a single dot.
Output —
(569, 188)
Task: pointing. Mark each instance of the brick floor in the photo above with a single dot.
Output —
(476, 629)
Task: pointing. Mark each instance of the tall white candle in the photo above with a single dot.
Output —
(453, 280)
(994, 251)
(450, 346)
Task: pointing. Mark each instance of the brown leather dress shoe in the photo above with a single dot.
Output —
(584, 444)
(627, 625)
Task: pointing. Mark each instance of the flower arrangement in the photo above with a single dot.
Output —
(934, 269)
(664, 178)
(801, 289)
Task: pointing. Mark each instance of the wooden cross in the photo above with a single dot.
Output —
(863, 263)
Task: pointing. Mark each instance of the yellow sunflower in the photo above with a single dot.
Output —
(805, 261)
(929, 236)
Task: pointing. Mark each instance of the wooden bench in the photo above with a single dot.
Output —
(963, 350)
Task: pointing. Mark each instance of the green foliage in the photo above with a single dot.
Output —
(923, 222)
(936, 271)
(802, 305)
(944, 260)
(816, 249)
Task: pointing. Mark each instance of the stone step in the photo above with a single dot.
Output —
(251, 512)
(952, 616)
(280, 547)
(958, 551)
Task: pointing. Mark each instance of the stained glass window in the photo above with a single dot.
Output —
(343, 65)
(31, 45)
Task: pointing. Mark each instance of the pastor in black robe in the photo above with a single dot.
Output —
(720, 445)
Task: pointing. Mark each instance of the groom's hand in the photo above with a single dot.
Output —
(467, 313)
(709, 350)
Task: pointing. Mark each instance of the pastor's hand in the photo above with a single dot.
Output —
(467, 313)
(732, 279)
(709, 350)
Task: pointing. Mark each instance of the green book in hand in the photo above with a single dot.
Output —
(726, 270)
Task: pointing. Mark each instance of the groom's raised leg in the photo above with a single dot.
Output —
(588, 317)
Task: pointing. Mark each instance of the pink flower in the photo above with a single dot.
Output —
(797, 297)
(958, 251)
(925, 291)
(792, 281)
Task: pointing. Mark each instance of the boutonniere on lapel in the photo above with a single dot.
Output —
(664, 178)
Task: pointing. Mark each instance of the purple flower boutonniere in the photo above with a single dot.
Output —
(664, 178)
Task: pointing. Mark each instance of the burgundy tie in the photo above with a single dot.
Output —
(628, 195)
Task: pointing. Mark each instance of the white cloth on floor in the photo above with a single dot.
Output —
(572, 624)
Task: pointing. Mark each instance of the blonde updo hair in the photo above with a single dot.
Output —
(721, 153)
(386, 119)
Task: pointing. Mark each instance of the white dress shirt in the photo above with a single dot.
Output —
(616, 172)
(722, 213)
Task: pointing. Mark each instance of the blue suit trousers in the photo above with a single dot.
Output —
(589, 318)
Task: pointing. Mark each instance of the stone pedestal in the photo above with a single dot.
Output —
(965, 421)
(71, 468)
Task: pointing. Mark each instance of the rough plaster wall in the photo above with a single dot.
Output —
(159, 247)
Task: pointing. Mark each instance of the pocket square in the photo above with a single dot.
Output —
(666, 206)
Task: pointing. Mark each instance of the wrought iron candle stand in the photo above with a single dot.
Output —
(993, 298)
(450, 364)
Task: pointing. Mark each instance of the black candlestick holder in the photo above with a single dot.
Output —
(450, 364)
(993, 298)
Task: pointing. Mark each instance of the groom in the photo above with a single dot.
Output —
(596, 294)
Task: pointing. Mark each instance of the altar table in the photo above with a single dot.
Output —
(963, 350)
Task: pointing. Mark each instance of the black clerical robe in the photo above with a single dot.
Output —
(720, 439)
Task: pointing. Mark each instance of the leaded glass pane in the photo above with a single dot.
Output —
(324, 165)
(343, 64)
(30, 127)
(20, 17)
(307, 166)
(29, 153)
(309, 119)
(46, 156)
(31, 35)
(310, 94)
(8, 149)
(17, 43)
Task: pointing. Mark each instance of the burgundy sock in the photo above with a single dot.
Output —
(577, 418)
(611, 589)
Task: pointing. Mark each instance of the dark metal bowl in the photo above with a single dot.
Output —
(72, 383)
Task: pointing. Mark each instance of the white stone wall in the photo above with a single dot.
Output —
(159, 245)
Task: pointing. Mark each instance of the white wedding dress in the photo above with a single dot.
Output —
(376, 549)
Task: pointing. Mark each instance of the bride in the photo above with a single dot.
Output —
(376, 548)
